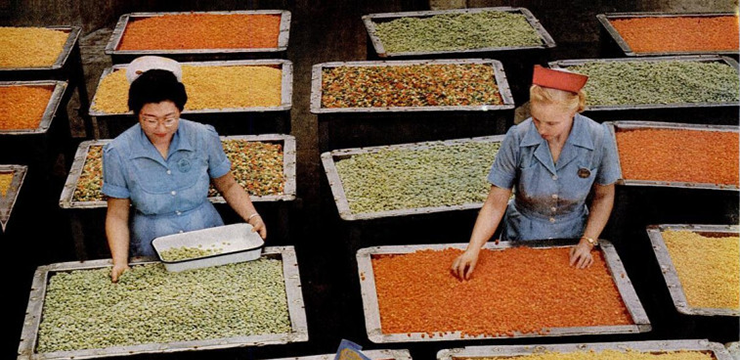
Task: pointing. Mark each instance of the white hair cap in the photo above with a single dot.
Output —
(143, 64)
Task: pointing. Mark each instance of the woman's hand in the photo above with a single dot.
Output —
(580, 255)
(464, 265)
(117, 271)
(258, 226)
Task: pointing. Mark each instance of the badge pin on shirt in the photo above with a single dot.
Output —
(584, 173)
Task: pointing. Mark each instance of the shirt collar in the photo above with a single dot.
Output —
(579, 135)
(144, 148)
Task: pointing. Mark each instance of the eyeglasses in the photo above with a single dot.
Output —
(153, 121)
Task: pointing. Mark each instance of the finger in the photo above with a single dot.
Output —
(114, 276)
(582, 262)
(453, 268)
(263, 232)
(469, 273)
(590, 261)
(573, 258)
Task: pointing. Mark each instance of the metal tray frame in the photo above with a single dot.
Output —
(564, 64)
(117, 35)
(614, 264)
(328, 159)
(286, 87)
(613, 126)
(32, 321)
(655, 232)
(605, 20)
(547, 40)
(8, 201)
(60, 87)
(716, 349)
(384, 354)
(74, 34)
(498, 70)
(289, 172)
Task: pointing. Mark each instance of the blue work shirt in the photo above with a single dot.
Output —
(550, 198)
(168, 195)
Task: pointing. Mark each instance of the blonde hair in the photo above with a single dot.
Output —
(567, 100)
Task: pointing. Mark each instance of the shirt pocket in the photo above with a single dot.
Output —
(529, 184)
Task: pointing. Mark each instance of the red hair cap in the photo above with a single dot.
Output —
(558, 79)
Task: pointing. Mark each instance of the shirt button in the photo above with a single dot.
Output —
(554, 196)
(554, 177)
(178, 213)
(552, 219)
(173, 193)
(553, 209)
(169, 172)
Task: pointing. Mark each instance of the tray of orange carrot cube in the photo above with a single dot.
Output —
(518, 289)
(700, 265)
(244, 33)
(691, 156)
(699, 349)
(656, 33)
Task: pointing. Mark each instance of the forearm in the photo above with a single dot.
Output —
(600, 210)
(235, 196)
(489, 217)
(117, 231)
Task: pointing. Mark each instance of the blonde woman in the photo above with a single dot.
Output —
(554, 159)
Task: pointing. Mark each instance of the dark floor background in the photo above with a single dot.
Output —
(321, 31)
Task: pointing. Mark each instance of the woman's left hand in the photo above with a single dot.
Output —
(258, 226)
(580, 255)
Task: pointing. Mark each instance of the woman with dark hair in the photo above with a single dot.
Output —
(163, 166)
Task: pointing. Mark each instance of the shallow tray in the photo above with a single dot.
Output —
(289, 172)
(614, 264)
(564, 64)
(74, 33)
(329, 160)
(8, 201)
(51, 107)
(296, 310)
(669, 271)
(236, 242)
(371, 19)
(717, 350)
(286, 88)
(112, 47)
(605, 21)
(614, 126)
(501, 83)
(400, 354)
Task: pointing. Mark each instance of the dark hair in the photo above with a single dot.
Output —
(155, 86)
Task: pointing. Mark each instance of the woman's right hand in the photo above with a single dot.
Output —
(464, 264)
(117, 271)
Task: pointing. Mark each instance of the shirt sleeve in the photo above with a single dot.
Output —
(114, 179)
(218, 164)
(609, 170)
(503, 171)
